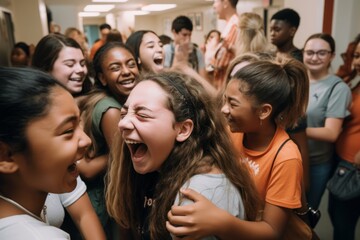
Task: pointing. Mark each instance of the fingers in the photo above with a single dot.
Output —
(192, 194)
(178, 233)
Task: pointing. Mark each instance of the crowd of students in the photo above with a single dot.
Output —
(140, 140)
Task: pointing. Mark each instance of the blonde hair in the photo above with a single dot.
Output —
(251, 36)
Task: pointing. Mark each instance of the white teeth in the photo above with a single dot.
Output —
(131, 142)
(127, 82)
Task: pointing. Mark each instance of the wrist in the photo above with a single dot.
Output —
(303, 211)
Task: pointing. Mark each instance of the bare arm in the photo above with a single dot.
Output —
(109, 124)
(300, 139)
(90, 168)
(204, 219)
(328, 133)
(85, 218)
(180, 64)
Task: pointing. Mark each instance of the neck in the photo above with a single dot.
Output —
(318, 75)
(286, 47)
(229, 14)
(34, 203)
(259, 141)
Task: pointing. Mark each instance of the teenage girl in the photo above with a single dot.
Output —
(260, 101)
(329, 100)
(40, 142)
(166, 147)
(64, 60)
(116, 74)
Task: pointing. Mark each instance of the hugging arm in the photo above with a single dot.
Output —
(204, 219)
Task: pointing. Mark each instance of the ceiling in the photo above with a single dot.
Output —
(133, 4)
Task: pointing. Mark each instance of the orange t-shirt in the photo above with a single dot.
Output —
(348, 143)
(96, 47)
(278, 184)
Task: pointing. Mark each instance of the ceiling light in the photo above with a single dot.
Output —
(158, 7)
(99, 8)
(110, 1)
(139, 12)
(89, 14)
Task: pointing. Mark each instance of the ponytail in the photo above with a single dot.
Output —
(285, 86)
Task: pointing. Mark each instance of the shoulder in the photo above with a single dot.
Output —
(26, 227)
(107, 102)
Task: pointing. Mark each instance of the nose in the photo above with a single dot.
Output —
(79, 68)
(125, 123)
(125, 71)
(225, 109)
(84, 140)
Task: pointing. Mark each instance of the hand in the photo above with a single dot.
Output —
(193, 221)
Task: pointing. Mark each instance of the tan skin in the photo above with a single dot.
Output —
(118, 66)
(21, 172)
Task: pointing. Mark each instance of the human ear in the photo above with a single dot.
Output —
(185, 129)
(265, 111)
(102, 79)
(293, 31)
(7, 164)
(139, 61)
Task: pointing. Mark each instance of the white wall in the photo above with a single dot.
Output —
(311, 13)
(30, 20)
(65, 16)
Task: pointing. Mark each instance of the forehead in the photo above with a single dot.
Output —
(119, 52)
(317, 43)
(148, 93)
(150, 37)
(279, 23)
(184, 31)
(70, 52)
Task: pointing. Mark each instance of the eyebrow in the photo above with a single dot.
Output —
(72, 118)
(137, 108)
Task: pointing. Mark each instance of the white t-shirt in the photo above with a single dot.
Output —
(20, 227)
(55, 203)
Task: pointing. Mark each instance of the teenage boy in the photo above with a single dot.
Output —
(283, 26)
(181, 29)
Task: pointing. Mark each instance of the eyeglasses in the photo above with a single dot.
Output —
(320, 54)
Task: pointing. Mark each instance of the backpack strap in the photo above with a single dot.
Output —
(281, 146)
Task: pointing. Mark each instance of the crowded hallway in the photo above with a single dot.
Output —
(213, 119)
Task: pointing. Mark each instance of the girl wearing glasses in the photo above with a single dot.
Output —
(329, 99)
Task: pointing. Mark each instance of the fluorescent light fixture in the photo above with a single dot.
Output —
(110, 1)
(158, 7)
(99, 8)
(89, 14)
(137, 12)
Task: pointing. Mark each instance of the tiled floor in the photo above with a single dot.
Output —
(324, 227)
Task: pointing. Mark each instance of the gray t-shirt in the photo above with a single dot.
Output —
(219, 190)
(322, 106)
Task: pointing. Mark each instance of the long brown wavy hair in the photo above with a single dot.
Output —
(208, 146)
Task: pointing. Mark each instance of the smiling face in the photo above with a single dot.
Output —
(119, 71)
(148, 127)
(319, 62)
(54, 143)
(70, 69)
(238, 109)
(151, 53)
